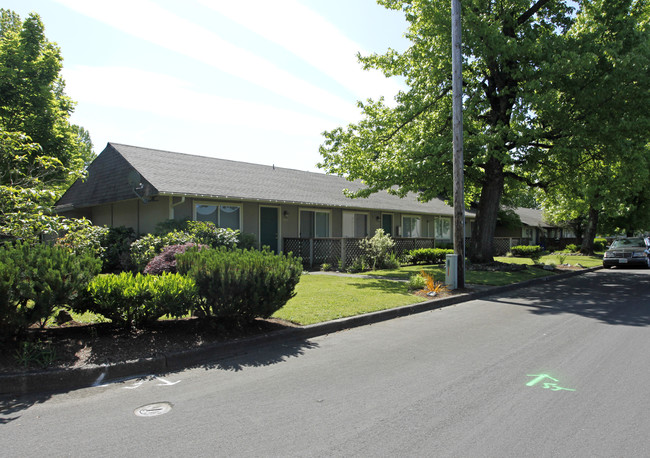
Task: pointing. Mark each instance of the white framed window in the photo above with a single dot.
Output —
(442, 228)
(314, 223)
(355, 224)
(412, 226)
(227, 216)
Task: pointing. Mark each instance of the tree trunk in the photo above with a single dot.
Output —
(486, 215)
(590, 232)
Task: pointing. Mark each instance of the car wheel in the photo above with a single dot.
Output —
(647, 262)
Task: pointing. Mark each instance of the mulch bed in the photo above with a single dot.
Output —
(76, 344)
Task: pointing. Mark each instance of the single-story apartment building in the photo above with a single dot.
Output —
(141, 187)
(534, 230)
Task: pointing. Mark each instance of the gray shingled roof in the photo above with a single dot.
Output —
(532, 217)
(170, 173)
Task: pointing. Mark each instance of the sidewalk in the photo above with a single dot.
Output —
(67, 380)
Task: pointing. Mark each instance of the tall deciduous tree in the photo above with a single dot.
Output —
(513, 50)
(32, 97)
(598, 165)
(41, 152)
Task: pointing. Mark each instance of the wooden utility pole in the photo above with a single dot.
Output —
(457, 88)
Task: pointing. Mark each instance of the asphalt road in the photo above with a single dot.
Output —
(560, 369)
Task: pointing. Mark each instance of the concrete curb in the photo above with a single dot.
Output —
(71, 379)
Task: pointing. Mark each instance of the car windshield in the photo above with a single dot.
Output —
(623, 243)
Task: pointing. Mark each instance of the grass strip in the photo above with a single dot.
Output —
(323, 298)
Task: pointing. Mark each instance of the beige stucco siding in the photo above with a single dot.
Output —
(102, 215)
(125, 213)
(336, 223)
(289, 224)
(251, 216)
(151, 213)
(132, 213)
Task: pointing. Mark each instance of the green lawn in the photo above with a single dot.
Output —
(324, 297)
(585, 261)
(471, 277)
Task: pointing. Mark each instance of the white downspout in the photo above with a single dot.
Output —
(172, 205)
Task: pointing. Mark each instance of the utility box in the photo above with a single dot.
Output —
(451, 269)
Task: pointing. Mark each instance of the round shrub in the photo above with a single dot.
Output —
(133, 300)
(242, 284)
(416, 282)
(572, 248)
(203, 232)
(600, 244)
(37, 279)
(206, 233)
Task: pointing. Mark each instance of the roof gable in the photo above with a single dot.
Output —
(106, 180)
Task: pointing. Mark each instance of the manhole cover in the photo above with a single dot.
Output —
(153, 410)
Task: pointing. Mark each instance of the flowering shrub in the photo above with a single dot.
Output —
(206, 233)
(377, 251)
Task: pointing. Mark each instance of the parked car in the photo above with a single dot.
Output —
(633, 251)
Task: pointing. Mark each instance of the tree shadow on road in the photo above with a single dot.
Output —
(10, 406)
(618, 297)
(266, 354)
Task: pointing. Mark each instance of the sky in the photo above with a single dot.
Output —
(248, 80)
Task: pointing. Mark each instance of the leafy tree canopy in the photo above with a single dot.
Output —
(41, 152)
(530, 110)
(32, 97)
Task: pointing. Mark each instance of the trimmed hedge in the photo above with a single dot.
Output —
(429, 255)
(526, 251)
(242, 284)
(133, 300)
(35, 280)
